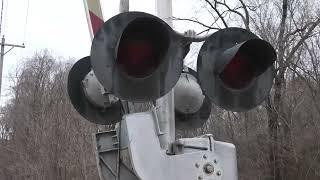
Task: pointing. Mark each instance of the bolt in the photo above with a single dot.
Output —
(197, 165)
(215, 161)
(208, 168)
(204, 156)
(199, 177)
(219, 173)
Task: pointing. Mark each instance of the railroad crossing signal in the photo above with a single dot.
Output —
(137, 57)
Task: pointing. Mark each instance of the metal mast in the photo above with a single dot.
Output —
(166, 104)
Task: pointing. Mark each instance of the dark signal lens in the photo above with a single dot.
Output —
(137, 57)
(252, 59)
(142, 47)
(238, 73)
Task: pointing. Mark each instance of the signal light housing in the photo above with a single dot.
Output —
(192, 107)
(235, 69)
(83, 90)
(137, 56)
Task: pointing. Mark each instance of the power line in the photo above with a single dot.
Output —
(5, 14)
(2, 2)
(26, 22)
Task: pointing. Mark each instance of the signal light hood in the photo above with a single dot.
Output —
(85, 105)
(235, 69)
(137, 56)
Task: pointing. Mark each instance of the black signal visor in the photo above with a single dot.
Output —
(142, 46)
(251, 59)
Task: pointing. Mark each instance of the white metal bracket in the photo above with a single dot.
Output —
(200, 158)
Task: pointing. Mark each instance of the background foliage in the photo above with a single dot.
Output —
(43, 137)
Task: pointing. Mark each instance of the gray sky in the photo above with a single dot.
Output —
(60, 26)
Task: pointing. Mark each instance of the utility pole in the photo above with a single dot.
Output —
(2, 53)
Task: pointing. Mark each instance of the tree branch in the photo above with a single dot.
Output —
(303, 38)
(246, 21)
(234, 11)
(218, 13)
(298, 30)
(195, 21)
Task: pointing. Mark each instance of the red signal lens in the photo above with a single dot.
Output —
(142, 47)
(138, 58)
(251, 60)
(238, 73)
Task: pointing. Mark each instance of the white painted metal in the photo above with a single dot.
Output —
(124, 6)
(106, 149)
(164, 10)
(92, 90)
(191, 161)
(188, 96)
(95, 92)
(165, 105)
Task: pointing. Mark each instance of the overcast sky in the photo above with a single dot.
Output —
(60, 26)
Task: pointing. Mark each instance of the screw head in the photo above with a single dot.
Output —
(215, 161)
(199, 177)
(219, 173)
(205, 156)
(208, 168)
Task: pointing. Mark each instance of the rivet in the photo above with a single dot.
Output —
(197, 165)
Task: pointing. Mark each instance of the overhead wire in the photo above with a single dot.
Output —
(26, 22)
(5, 11)
(25, 28)
(1, 16)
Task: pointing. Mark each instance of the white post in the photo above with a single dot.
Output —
(124, 6)
(164, 10)
(165, 104)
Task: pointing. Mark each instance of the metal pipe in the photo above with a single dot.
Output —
(165, 105)
(124, 6)
(193, 39)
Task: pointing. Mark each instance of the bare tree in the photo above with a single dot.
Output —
(292, 26)
(49, 140)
